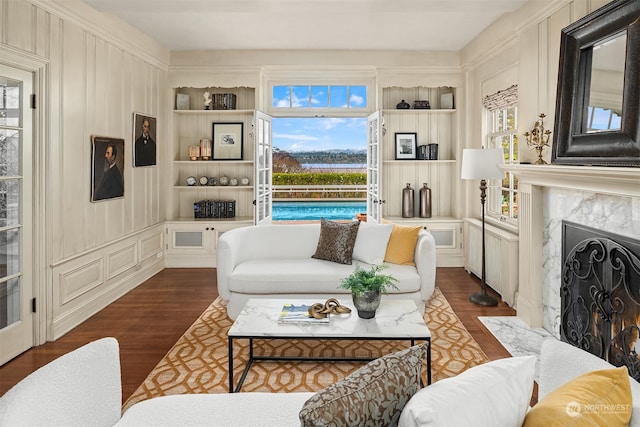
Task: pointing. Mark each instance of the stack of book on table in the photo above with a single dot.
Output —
(299, 313)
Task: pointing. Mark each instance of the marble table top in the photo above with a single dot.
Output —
(394, 319)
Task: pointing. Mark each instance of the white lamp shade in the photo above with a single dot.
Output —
(478, 163)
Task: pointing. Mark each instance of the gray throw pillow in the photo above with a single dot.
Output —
(336, 241)
(374, 395)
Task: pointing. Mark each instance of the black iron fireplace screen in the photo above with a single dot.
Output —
(600, 294)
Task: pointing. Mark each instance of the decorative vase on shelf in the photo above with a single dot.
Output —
(367, 303)
(407, 202)
(425, 201)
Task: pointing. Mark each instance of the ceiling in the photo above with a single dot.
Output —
(443, 25)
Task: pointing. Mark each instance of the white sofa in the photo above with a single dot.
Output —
(275, 260)
(82, 388)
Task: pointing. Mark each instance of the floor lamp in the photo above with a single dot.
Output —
(482, 164)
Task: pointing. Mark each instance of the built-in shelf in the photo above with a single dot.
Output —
(213, 112)
(418, 110)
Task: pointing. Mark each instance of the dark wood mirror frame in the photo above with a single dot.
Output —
(572, 146)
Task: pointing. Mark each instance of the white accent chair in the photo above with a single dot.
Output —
(80, 388)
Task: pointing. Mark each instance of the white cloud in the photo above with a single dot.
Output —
(357, 100)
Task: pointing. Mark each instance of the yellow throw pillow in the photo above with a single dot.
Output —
(402, 244)
(597, 398)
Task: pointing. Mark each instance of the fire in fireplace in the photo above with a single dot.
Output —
(600, 294)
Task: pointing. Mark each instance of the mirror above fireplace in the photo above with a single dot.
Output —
(598, 97)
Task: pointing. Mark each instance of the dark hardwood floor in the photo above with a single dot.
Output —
(149, 320)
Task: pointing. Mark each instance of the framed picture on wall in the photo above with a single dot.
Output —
(406, 145)
(107, 168)
(227, 141)
(144, 137)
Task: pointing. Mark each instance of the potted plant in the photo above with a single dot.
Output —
(366, 287)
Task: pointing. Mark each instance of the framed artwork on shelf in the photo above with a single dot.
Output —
(107, 166)
(182, 101)
(144, 137)
(406, 145)
(227, 141)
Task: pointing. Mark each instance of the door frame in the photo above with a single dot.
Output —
(41, 241)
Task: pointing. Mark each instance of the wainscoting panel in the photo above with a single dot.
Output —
(85, 284)
(74, 283)
(122, 260)
(151, 246)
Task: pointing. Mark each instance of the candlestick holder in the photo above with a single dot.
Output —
(538, 138)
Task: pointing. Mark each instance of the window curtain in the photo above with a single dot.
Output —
(501, 99)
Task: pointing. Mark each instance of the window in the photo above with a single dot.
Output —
(502, 197)
(599, 118)
(327, 97)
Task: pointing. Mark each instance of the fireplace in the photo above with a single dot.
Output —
(600, 294)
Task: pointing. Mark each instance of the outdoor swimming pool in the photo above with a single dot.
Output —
(308, 211)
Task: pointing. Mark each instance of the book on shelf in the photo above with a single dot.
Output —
(299, 313)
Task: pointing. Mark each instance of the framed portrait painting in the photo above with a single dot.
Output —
(227, 141)
(107, 168)
(406, 146)
(144, 140)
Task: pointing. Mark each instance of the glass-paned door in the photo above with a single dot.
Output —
(263, 167)
(374, 204)
(16, 288)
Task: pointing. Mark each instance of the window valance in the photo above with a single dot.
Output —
(501, 99)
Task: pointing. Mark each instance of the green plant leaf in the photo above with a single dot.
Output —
(362, 280)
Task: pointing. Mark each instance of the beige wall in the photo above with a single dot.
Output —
(96, 73)
(99, 71)
(520, 48)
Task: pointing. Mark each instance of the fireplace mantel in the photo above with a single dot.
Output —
(607, 180)
(532, 180)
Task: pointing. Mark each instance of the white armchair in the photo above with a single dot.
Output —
(81, 388)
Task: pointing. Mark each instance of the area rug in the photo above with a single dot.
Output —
(198, 362)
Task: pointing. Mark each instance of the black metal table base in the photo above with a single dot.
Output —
(254, 358)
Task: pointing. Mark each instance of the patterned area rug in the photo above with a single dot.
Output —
(198, 362)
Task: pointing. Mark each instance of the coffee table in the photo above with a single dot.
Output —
(395, 320)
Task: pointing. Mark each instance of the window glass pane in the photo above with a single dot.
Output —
(281, 97)
(338, 97)
(515, 158)
(505, 202)
(9, 202)
(616, 121)
(9, 302)
(300, 98)
(9, 152)
(10, 255)
(511, 118)
(499, 120)
(320, 96)
(514, 214)
(357, 96)
(10, 102)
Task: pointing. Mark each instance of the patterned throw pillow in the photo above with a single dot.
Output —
(336, 241)
(374, 395)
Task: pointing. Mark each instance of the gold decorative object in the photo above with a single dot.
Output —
(205, 149)
(331, 306)
(194, 152)
(538, 138)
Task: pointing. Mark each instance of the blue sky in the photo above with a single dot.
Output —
(315, 134)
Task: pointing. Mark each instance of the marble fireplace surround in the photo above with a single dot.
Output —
(605, 198)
